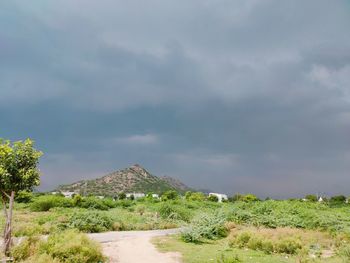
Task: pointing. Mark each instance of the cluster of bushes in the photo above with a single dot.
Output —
(295, 214)
(89, 222)
(64, 247)
(171, 211)
(205, 226)
(253, 241)
(46, 202)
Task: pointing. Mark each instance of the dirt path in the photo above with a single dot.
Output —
(135, 246)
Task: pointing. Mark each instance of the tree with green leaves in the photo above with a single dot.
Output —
(18, 172)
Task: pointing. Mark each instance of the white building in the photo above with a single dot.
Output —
(155, 196)
(221, 197)
(136, 195)
(68, 194)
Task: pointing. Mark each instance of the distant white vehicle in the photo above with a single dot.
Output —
(221, 197)
(136, 195)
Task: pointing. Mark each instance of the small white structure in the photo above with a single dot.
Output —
(68, 194)
(320, 199)
(100, 196)
(221, 197)
(136, 195)
(155, 196)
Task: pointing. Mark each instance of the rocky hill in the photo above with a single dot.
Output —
(132, 179)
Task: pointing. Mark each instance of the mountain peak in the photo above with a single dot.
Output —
(132, 179)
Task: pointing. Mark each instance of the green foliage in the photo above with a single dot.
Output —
(255, 242)
(89, 222)
(344, 252)
(121, 196)
(24, 197)
(235, 197)
(249, 198)
(27, 248)
(194, 196)
(77, 200)
(18, 166)
(169, 195)
(46, 202)
(174, 212)
(205, 226)
(337, 199)
(65, 247)
(213, 198)
(232, 259)
(93, 203)
(288, 246)
(272, 214)
(311, 198)
(109, 202)
(72, 247)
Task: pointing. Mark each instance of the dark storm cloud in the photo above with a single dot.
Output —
(235, 96)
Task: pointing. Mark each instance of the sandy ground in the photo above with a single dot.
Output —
(135, 247)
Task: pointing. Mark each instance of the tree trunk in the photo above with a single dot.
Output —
(8, 225)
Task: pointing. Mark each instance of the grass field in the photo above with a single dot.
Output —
(261, 231)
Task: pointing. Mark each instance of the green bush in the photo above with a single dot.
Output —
(27, 248)
(46, 202)
(344, 252)
(93, 203)
(174, 212)
(223, 259)
(109, 202)
(89, 222)
(288, 246)
(72, 247)
(169, 195)
(311, 198)
(24, 197)
(213, 198)
(241, 240)
(206, 226)
(64, 247)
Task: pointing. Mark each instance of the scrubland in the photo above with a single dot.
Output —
(250, 231)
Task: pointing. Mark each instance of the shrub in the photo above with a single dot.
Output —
(89, 222)
(249, 198)
(27, 248)
(223, 259)
(205, 226)
(24, 197)
(169, 195)
(109, 202)
(141, 210)
(194, 196)
(344, 251)
(77, 199)
(288, 246)
(93, 203)
(213, 198)
(173, 212)
(338, 199)
(121, 196)
(311, 198)
(241, 240)
(72, 247)
(46, 202)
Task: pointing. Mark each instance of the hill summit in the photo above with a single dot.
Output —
(132, 179)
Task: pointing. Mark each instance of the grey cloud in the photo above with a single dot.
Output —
(245, 96)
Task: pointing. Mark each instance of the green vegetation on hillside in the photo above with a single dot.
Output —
(129, 180)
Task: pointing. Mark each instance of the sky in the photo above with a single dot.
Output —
(243, 96)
